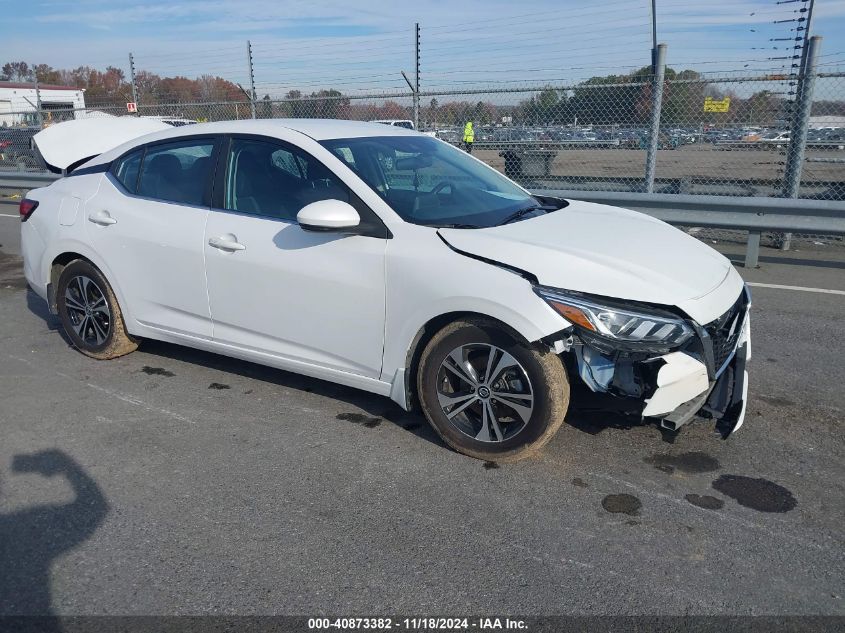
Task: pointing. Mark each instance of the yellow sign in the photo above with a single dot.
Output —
(712, 105)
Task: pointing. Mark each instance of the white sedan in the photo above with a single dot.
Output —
(387, 260)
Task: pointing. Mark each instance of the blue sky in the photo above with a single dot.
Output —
(363, 46)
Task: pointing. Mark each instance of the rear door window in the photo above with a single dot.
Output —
(176, 172)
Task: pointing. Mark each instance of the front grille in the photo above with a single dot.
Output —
(724, 332)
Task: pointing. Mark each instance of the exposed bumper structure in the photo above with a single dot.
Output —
(708, 378)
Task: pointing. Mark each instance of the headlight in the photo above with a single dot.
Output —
(636, 326)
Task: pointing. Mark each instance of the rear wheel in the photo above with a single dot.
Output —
(90, 314)
(489, 395)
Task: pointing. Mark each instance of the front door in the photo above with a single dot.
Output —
(277, 289)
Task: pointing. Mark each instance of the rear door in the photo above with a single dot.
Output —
(276, 289)
(147, 223)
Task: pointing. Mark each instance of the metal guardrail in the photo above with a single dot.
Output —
(755, 215)
(546, 144)
(25, 180)
(752, 214)
(769, 144)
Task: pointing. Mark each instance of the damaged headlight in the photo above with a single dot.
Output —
(636, 326)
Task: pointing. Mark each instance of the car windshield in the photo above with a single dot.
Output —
(429, 182)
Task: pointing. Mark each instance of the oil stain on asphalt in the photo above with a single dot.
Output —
(692, 462)
(157, 371)
(490, 465)
(758, 494)
(707, 502)
(359, 418)
(622, 504)
(579, 482)
(777, 401)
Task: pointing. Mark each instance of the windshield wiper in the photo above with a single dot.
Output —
(516, 215)
(513, 217)
(456, 225)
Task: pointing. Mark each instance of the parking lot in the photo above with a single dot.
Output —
(186, 483)
(703, 167)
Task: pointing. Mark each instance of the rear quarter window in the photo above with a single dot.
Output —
(126, 170)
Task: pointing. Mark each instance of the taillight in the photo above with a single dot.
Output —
(26, 208)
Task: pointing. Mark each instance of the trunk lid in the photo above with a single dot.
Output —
(64, 146)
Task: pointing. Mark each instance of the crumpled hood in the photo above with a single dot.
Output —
(608, 251)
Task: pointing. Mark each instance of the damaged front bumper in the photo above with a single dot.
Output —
(708, 377)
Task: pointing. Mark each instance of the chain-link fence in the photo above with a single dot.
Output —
(718, 135)
(583, 136)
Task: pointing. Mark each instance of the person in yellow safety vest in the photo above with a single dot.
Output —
(469, 137)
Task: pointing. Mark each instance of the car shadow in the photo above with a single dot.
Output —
(592, 415)
(595, 413)
(38, 307)
(293, 238)
(33, 537)
(376, 407)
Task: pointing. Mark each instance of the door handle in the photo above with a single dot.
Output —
(226, 243)
(102, 218)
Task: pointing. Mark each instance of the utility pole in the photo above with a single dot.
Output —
(40, 114)
(653, 37)
(132, 83)
(801, 122)
(805, 45)
(792, 172)
(654, 128)
(251, 78)
(417, 76)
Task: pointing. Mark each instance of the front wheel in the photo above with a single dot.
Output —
(489, 395)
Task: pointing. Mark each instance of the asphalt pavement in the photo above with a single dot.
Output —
(173, 481)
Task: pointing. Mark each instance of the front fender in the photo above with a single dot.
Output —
(427, 280)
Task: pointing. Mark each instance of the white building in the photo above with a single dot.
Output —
(18, 103)
(821, 122)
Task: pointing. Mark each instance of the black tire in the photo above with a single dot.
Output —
(546, 381)
(103, 335)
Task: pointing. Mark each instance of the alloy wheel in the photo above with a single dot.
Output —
(88, 310)
(485, 392)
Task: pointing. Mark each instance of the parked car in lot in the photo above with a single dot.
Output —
(405, 123)
(16, 148)
(386, 260)
(774, 140)
(174, 121)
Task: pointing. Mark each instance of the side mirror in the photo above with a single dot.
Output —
(328, 215)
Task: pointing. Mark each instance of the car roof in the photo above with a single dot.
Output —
(81, 142)
(318, 129)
